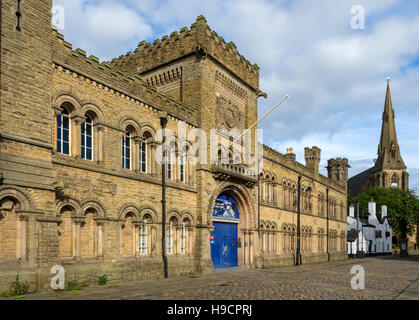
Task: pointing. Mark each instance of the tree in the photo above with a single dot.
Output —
(402, 207)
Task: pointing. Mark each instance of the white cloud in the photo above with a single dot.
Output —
(335, 76)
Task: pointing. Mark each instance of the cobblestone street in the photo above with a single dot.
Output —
(385, 278)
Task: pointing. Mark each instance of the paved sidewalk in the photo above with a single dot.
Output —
(385, 278)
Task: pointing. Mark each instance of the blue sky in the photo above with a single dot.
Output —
(335, 75)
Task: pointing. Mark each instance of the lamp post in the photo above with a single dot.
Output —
(327, 224)
(298, 253)
(163, 122)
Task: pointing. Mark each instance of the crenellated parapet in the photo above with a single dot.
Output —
(286, 161)
(197, 40)
(338, 169)
(131, 86)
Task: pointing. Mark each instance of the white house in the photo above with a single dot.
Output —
(374, 236)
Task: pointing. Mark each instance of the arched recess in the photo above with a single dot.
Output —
(247, 223)
(13, 223)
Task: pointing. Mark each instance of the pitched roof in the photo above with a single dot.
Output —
(351, 237)
(355, 183)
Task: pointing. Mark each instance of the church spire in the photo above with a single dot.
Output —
(389, 156)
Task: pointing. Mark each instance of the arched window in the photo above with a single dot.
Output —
(170, 163)
(13, 231)
(87, 139)
(63, 132)
(171, 237)
(87, 234)
(182, 167)
(394, 181)
(126, 150)
(144, 156)
(128, 235)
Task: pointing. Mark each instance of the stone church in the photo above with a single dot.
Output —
(389, 169)
(81, 184)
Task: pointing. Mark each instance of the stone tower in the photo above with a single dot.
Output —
(338, 169)
(312, 157)
(25, 125)
(390, 167)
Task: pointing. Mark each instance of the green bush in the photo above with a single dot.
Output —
(103, 279)
(73, 285)
(19, 288)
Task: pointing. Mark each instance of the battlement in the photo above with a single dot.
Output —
(338, 169)
(133, 87)
(338, 162)
(274, 155)
(198, 40)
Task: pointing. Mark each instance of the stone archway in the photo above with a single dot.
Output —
(246, 223)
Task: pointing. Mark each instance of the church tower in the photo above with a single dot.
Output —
(390, 167)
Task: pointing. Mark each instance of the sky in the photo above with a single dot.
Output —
(334, 74)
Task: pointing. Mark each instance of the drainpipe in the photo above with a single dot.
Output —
(163, 122)
(327, 224)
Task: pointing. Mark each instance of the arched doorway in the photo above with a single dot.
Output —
(224, 240)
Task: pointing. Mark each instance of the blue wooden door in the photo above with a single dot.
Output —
(224, 245)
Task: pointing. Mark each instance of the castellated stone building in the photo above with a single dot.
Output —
(81, 186)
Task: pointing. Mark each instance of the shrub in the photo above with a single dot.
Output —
(103, 279)
(19, 288)
(73, 285)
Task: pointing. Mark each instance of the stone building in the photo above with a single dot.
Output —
(81, 184)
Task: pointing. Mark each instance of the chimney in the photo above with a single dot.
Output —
(372, 208)
(383, 211)
(352, 211)
(290, 155)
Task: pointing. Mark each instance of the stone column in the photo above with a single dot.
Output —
(152, 159)
(136, 226)
(100, 225)
(251, 248)
(18, 238)
(100, 128)
(77, 222)
(76, 122)
(136, 154)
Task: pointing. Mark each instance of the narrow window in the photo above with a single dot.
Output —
(143, 238)
(63, 132)
(126, 151)
(87, 139)
(169, 245)
(183, 239)
(182, 164)
(169, 166)
(143, 157)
